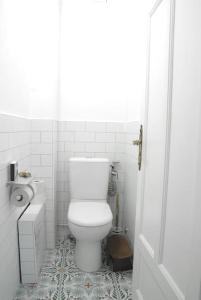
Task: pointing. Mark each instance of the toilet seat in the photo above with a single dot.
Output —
(89, 214)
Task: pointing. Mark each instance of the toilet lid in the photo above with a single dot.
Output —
(89, 213)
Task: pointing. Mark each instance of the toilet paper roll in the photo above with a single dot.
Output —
(33, 187)
(22, 196)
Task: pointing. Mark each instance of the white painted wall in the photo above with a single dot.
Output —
(139, 32)
(44, 58)
(14, 92)
(100, 60)
(29, 57)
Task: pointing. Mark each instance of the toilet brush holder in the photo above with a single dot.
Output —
(119, 253)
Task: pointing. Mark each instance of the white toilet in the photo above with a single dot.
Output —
(89, 215)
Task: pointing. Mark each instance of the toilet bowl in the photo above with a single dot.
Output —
(89, 222)
(89, 215)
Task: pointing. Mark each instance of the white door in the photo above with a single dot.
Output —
(167, 250)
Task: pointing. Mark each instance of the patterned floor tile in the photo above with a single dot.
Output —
(60, 279)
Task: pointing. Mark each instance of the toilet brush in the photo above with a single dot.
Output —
(117, 229)
(117, 211)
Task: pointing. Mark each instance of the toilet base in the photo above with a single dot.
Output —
(88, 256)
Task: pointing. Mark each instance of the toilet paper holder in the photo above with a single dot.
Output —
(21, 182)
(22, 191)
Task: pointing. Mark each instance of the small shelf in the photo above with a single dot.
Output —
(20, 181)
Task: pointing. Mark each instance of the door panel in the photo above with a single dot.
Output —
(148, 284)
(181, 205)
(167, 260)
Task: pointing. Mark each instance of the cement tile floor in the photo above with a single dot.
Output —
(60, 279)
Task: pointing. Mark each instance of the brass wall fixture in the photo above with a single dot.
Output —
(139, 143)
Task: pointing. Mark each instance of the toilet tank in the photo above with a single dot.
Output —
(88, 178)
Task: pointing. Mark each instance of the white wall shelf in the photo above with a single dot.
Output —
(20, 181)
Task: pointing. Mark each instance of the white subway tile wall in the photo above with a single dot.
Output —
(14, 145)
(86, 139)
(43, 166)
